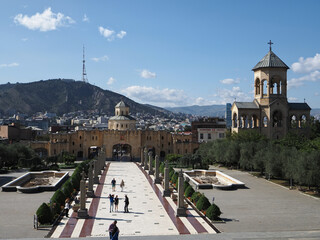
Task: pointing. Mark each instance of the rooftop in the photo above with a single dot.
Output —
(270, 60)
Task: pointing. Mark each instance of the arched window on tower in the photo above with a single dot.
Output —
(235, 120)
(265, 88)
(257, 86)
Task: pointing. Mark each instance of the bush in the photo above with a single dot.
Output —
(58, 197)
(174, 178)
(54, 167)
(171, 172)
(44, 214)
(185, 185)
(213, 212)
(67, 188)
(188, 191)
(195, 197)
(203, 203)
(161, 167)
(55, 208)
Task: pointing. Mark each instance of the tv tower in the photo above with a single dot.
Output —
(84, 74)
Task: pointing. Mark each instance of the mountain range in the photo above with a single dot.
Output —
(66, 95)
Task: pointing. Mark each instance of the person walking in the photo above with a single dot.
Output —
(122, 185)
(67, 207)
(111, 197)
(113, 184)
(126, 204)
(113, 231)
(116, 203)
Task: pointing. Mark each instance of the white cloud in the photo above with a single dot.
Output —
(293, 99)
(230, 95)
(46, 21)
(5, 65)
(297, 82)
(307, 65)
(100, 59)
(159, 97)
(147, 74)
(85, 18)
(107, 33)
(230, 81)
(121, 34)
(111, 80)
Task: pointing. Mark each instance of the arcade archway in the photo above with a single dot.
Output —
(122, 152)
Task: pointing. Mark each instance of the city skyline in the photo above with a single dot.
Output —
(162, 53)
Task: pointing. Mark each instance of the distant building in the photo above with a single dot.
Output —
(208, 129)
(122, 120)
(16, 133)
(270, 113)
(228, 115)
(121, 139)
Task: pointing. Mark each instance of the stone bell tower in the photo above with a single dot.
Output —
(270, 79)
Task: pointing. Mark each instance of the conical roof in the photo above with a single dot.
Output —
(270, 60)
(121, 104)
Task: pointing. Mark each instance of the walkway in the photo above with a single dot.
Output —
(150, 214)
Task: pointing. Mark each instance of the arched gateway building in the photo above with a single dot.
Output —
(122, 138)
(270, 113)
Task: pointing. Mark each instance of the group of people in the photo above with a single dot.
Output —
(114, 200)
(114, 204)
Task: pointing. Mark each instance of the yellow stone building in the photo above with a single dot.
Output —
(121, 139)
(270, 113)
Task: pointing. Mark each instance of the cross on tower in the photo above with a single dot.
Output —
(270, 43)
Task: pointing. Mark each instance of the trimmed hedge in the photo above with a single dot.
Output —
(185, 185)
(188, 191)
(174, 178)
(161, 167)
(67, 188)
(44, 214)
(58, 197)
(195, 197)
(171, 172)
(213, 212)
(203, 203)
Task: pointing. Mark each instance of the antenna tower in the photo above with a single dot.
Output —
(84, 74)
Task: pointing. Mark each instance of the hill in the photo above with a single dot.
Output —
(63, 96)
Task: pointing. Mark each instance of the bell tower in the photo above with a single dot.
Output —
(270, 78)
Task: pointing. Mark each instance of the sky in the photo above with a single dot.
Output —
(162, 52)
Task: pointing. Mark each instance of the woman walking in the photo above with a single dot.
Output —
(122, 185)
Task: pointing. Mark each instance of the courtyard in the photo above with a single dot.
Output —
(262, 210)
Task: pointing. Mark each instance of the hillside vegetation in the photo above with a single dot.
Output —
(62, 96)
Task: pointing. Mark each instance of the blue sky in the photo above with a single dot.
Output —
(165, 53)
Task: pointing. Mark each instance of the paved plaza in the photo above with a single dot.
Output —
(149, 212)
(261, 211)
